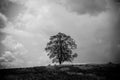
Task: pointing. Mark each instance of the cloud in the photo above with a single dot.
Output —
(14, 46)
(3, 20)
(46, 19)
(115, 49)
(118, 1)
(9, 60)
(10, 8)
(7, 57)
(91, 7)
(13, 51)
(41, 19)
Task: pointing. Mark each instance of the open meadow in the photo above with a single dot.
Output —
(64, 72)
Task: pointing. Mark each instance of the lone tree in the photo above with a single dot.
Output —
(60, 48)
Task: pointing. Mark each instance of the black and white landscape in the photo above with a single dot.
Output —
(59, 39)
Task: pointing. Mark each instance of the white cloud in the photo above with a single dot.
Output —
(3, 20)
(13, 45)
(15, 51)
(41, 19)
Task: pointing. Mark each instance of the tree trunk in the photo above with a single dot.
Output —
(60, 62)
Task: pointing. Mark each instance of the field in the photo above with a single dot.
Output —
(64, 72)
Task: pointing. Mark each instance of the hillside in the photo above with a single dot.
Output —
(64, 72)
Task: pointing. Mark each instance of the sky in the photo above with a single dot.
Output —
(26, 26)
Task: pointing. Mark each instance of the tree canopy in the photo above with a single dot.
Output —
(60, 48)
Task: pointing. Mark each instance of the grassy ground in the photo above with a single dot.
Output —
(64, 72)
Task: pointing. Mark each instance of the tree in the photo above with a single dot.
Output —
(60, 48)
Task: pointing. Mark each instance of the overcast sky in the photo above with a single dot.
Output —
(26, 25)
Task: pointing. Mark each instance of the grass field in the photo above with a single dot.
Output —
(64, 72)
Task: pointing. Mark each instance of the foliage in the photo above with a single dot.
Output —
(60, 48)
